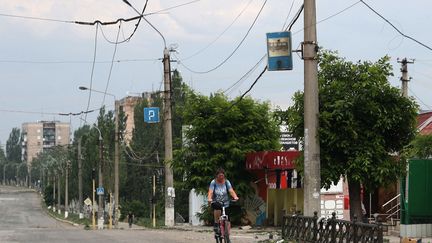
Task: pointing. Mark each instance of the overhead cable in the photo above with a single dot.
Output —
(133, 32)
(95, 21)
(421, 101)
(235, 49)
(220, 35)
(394, 27)
(79, 62)
(112, 64)
(289, 13)
(92, 73)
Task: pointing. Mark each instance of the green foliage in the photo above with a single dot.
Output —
(363, 120)
(234, 212)
(420, 147)
(219, 136)
(13, 146)
(138, 208)
(48, 195)
(2, 156)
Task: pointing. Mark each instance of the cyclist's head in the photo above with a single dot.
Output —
(220, 173)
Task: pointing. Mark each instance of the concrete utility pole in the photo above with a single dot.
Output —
(312, 176)
(80, 181)
(169, 189)
(100, 202)
(116, 163)
(58, 195)
(405, 79)
(67, 190)
(54, 193)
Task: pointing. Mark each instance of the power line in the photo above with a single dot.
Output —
(221, 34)
(112, 64)
(133, 32)
(176, 6)
(394, 27)
(288, 27)
(235, 49)
(250, 88)
(37, 18)
(295, 18)
(245, 76)
(95, 22)
(418, 98)
(47, 113)
(289, 13)
(79, 62)
(92, 72)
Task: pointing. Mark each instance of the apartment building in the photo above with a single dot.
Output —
(41, 135)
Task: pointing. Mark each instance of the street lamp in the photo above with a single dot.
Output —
(116, 156)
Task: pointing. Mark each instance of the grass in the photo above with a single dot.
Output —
(147, 222)
(71, 217)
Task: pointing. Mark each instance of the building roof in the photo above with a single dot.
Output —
(424, 123)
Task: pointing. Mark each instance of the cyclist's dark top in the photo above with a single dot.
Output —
(220, 192)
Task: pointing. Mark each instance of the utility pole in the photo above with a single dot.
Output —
(67, 190)
(312, 177)
(116, 164)
(58, 195)
(100, 204)
(80, 181)
(153, 202)
(405, 79)
(94, 198)
(169, 189)
(54, 192)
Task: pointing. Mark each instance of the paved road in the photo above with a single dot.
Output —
(22, 220)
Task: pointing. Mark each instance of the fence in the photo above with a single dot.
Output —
(311, 229)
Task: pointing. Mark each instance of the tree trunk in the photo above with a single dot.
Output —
(355, 200)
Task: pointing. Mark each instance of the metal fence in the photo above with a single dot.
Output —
(313, 229)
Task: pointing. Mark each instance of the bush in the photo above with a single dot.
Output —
(138, 208)
(234, 212)
(48, 195)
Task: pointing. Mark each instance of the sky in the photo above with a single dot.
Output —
(45, 58)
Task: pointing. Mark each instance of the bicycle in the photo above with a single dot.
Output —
(223, 235)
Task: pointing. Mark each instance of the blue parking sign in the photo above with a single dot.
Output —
(151, 114)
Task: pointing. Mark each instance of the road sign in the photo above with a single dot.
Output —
(100, 191)
(87, 202)
(279, 51)
(151, 114)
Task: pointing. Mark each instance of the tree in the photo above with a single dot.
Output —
(220, 133)
(420, 147)
(13, 146)
(363, 121)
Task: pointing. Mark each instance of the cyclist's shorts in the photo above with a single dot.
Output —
(216, 206)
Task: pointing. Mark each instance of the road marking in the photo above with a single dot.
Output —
(8, 198)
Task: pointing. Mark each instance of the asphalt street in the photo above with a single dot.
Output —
(22, 219)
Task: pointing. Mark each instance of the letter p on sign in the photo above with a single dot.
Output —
(151, 114)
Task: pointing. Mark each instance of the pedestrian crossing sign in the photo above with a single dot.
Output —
(100, 191)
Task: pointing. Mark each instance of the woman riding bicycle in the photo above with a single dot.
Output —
(218, 195)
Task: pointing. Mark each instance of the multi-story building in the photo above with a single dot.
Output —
(128, 104)
(42, 135)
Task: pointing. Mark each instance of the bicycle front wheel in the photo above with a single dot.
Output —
(227, 232)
